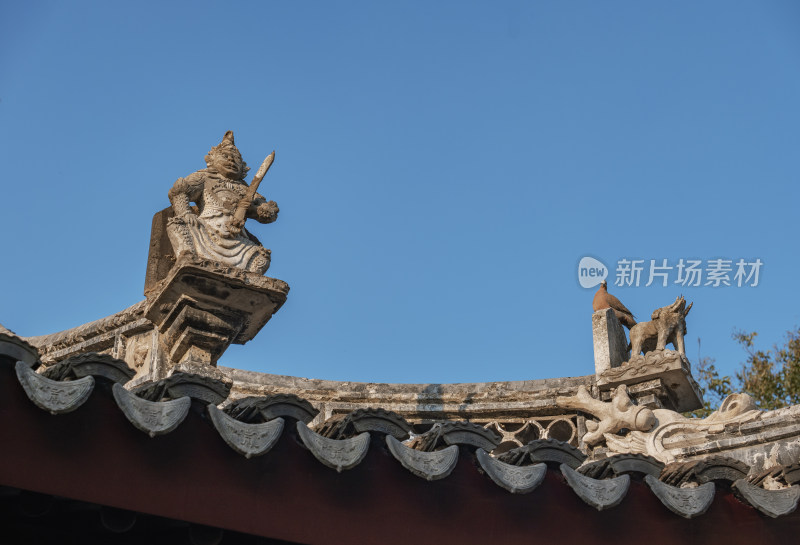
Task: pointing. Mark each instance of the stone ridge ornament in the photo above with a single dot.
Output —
(773, 503)
(338, 454)
(600, 494)
(54, 396)
(430, 466)
(515, 479)
(205, 287)
(247, 439)
(215, 229)
(686, 502)
(152, 417)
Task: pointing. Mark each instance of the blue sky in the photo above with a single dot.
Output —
(441, 169)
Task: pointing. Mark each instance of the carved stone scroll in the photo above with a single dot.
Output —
(600, 494)
(515, 479)
(773, 503)
(246, 439)
(152, 417)
(428, 465)
(619, 413)
(52, 395)
(686, 502)
(336, 453)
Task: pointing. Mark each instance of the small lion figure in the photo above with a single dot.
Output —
(668, 325)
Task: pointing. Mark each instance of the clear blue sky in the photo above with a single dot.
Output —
(441, 168)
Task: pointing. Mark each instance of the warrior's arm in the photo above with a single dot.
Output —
(185, 191)
(263, 211)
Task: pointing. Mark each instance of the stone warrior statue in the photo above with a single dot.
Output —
(217, 232)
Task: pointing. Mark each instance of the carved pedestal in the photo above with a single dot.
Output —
(199, 309)
(659, 379)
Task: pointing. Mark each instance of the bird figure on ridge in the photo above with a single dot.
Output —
(603, 299)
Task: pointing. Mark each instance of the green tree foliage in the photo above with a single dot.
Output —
(771, 377)
(714, 387)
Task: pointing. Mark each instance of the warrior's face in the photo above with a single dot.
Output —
(227, 161)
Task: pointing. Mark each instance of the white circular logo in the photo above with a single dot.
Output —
(591, 272)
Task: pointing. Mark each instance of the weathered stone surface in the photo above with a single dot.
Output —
(773, 503)
(686, 502)
(214, 230)
(600, 494)
(430, 466)
(247, 439)
(610, 344)
(152, 417)
(517, 401)
(338, 454)
(614, 416)
(201, 308)
(51, 395)
(97, 336)
(668, 366)
(668, 325)
(515, 479)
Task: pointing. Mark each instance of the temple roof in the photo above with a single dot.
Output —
(253, 466)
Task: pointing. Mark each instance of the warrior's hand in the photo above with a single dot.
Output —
(235, 227)
(267, 212)
(190, 219)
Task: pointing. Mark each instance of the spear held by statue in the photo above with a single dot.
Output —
(240, 214)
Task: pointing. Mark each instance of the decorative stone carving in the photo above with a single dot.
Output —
(600, 494)
(686, 502)
(668, 325)
(667, 366)
(199, 309)
(431, 466)
(51, 395)
(152, 417)
(215, 231)
(618, 414)
(515, 479)
(338, 454)
(247, 439)
(773, 503)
